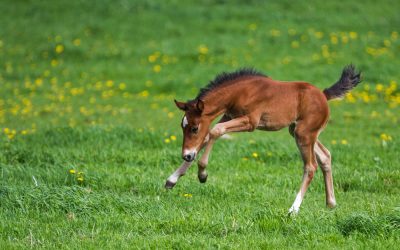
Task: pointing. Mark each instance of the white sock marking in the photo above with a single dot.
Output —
(179, 172)
(296, 204)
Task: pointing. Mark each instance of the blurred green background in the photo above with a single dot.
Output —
(89, 130)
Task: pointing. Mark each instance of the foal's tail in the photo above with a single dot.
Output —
(349, 79)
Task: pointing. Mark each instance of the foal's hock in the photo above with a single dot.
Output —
(247, 100)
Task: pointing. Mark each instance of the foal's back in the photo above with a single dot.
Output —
(275, 104)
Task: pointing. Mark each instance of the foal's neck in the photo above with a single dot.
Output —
(216, 103)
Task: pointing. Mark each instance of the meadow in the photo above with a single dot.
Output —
(90, 132)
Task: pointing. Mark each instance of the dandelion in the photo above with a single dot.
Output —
(72, 171)
(275, 33)
(157, 68)
(344, 142)
(286, 60)
(394, 35)
(253, 26)
(144, 93)
(167, 140)
(353, 35)
(187, 195)
(203, 49)
(385, 137)
(379, 87)
(110, 83)
(334, 39)
(350, 98)
(122, 86)
(54, 63)
(170, 115)
(6, 131)
(292, 32)
(80, 179)
(319, 34)
(295, 44)
(39, 82)
(76, 42)
(173, 137)
(255, 155)
(59, 48)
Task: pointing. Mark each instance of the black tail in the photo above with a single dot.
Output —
(349, 79)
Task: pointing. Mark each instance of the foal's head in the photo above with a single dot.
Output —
(195, 127)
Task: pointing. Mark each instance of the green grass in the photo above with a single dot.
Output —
(100, 105)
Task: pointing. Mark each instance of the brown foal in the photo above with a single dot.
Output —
(248, 100)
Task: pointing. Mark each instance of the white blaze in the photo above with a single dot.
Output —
(184, 122)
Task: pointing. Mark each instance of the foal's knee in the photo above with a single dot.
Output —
(310, 170)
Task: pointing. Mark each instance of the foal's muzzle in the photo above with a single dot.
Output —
(189, 157)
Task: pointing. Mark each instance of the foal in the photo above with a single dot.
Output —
(248, 100)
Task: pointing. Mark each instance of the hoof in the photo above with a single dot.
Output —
(203, 178)
(169, 184)
(293, 212)
(331, 205)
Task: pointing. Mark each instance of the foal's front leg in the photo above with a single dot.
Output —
(173, 179)
(202, 163)
(221, 128)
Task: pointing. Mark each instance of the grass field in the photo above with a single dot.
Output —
(89, 130)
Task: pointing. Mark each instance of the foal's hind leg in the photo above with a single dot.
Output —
(324, 160)
(305, 142)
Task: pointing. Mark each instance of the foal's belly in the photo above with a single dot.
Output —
(274, 122)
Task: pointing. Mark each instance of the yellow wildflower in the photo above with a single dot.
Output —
(72, 171)
(122, 86)
(203, 49)
(379, 87)
(157, 68)
(255, 155)
(77, 42)
(110, 83)
(353, 35)
(334, 39)
(319, 34)
(59, 48)
(344, 142)
(170, 114)
(173, 137)
(167, 140)
(295, 44)
(253, 26)
(275, 32)
(385, 137)
(144, 93)
(187, 195)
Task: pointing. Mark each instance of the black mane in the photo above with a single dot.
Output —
(225, 77)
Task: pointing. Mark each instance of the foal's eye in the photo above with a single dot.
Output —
(194, 130)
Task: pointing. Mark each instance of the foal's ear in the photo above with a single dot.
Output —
(181, 105)
(200, 105)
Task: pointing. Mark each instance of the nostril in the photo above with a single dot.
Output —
(189, 157)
